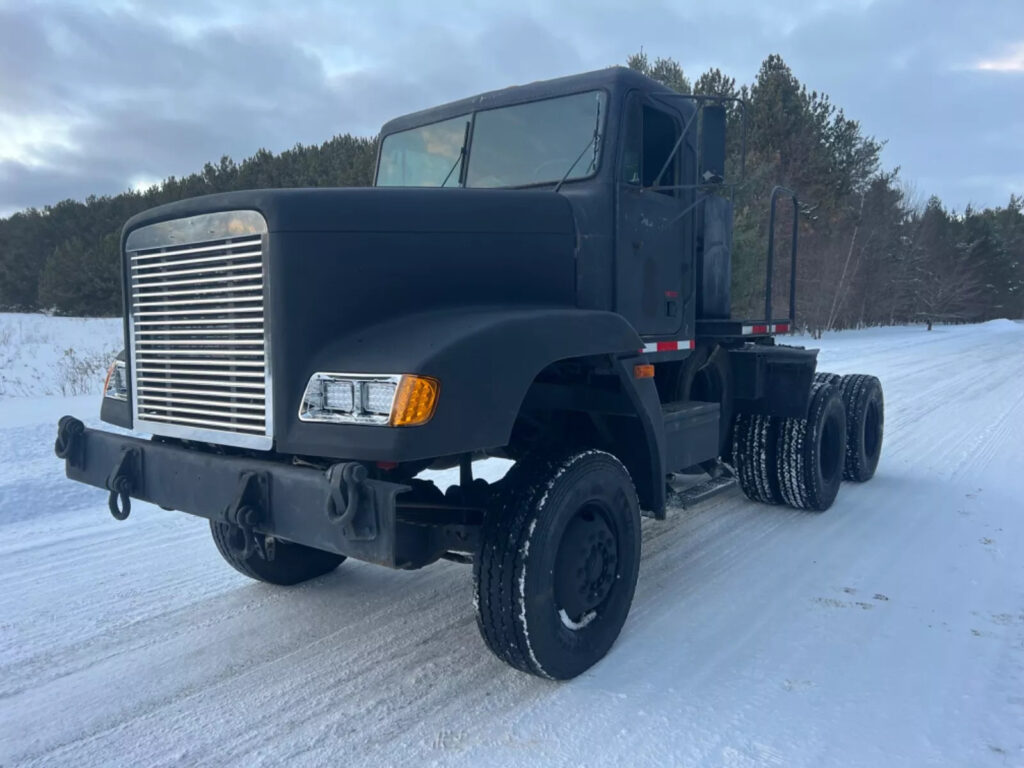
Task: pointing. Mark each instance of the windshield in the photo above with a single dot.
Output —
(534, 143)
(423, 157)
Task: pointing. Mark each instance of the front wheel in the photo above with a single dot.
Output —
(558, 563)
(280, 562)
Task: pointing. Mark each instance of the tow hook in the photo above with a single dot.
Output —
(355, 503)
(249, 545)
(125, 477)
(69, 440)
(245, 513)
(344, 506)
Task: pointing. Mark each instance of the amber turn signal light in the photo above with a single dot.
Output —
(645, 371)
(415, 401)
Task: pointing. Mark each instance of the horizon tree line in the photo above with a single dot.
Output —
(870, 254)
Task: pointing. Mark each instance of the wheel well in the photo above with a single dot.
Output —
(581, 403)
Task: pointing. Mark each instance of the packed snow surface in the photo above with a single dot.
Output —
(888, 631)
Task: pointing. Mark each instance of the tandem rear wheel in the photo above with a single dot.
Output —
(801, 461)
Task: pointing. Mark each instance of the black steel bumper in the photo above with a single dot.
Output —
(339, 510)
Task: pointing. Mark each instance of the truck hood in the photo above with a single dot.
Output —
(392, 280)
(384, 209)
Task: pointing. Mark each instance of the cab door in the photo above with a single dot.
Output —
(653, 281)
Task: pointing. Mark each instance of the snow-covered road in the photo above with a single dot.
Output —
(886, 631)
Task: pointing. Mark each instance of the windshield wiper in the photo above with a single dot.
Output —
(592, 143)
(461, 157)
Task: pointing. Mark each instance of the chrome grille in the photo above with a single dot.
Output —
(198, 341)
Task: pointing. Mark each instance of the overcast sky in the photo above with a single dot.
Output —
(102, 95)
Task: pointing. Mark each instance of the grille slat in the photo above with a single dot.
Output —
(216, 405)
(206, 363)
(167, 385)
(221, 426)
(193, 342)
(146, 281)
(182, 352)
(254, 321)
(171, 252)
(255, 291)
(144, 268)
(217, 311)
(188, 331)
(251, 394)
(199, 339)
(204, 302)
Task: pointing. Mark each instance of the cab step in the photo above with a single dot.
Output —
(695, 494)
(691, 433)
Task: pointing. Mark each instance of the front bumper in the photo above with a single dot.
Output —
(340, 510)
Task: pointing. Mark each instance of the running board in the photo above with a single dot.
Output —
(695, 494)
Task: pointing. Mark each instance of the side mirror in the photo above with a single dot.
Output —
(712, 144)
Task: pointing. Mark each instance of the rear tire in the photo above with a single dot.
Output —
(865, 420)
(291, 563)
(823, 377)
(755, 452)
(811, 451)
(558, 563)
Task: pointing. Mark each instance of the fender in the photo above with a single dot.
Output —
(484, 357)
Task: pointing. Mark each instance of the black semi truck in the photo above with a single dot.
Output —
(540, 273)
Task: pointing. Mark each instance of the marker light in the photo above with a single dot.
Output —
(643, 371)
(115, 386)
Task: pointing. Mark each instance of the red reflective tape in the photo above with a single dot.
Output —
(669, 346)
(759, 329)
(782, 328)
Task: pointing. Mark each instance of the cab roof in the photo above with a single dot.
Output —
(612, 79)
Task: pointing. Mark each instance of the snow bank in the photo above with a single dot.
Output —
(1002, 324)
(42, 355)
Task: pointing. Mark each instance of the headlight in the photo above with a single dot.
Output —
(116, 385)
(346, 398)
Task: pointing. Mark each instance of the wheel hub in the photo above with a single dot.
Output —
(586, 565)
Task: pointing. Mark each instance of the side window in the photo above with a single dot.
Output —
(660, 136)
(648, 138)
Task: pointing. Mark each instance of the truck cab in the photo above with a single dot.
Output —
(540, 273)
(620, 148)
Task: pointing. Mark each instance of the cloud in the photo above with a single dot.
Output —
(101, 95)
(94, 99)
(1013, 61)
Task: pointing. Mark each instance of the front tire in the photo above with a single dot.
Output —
(558, 563)
(290, 563)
